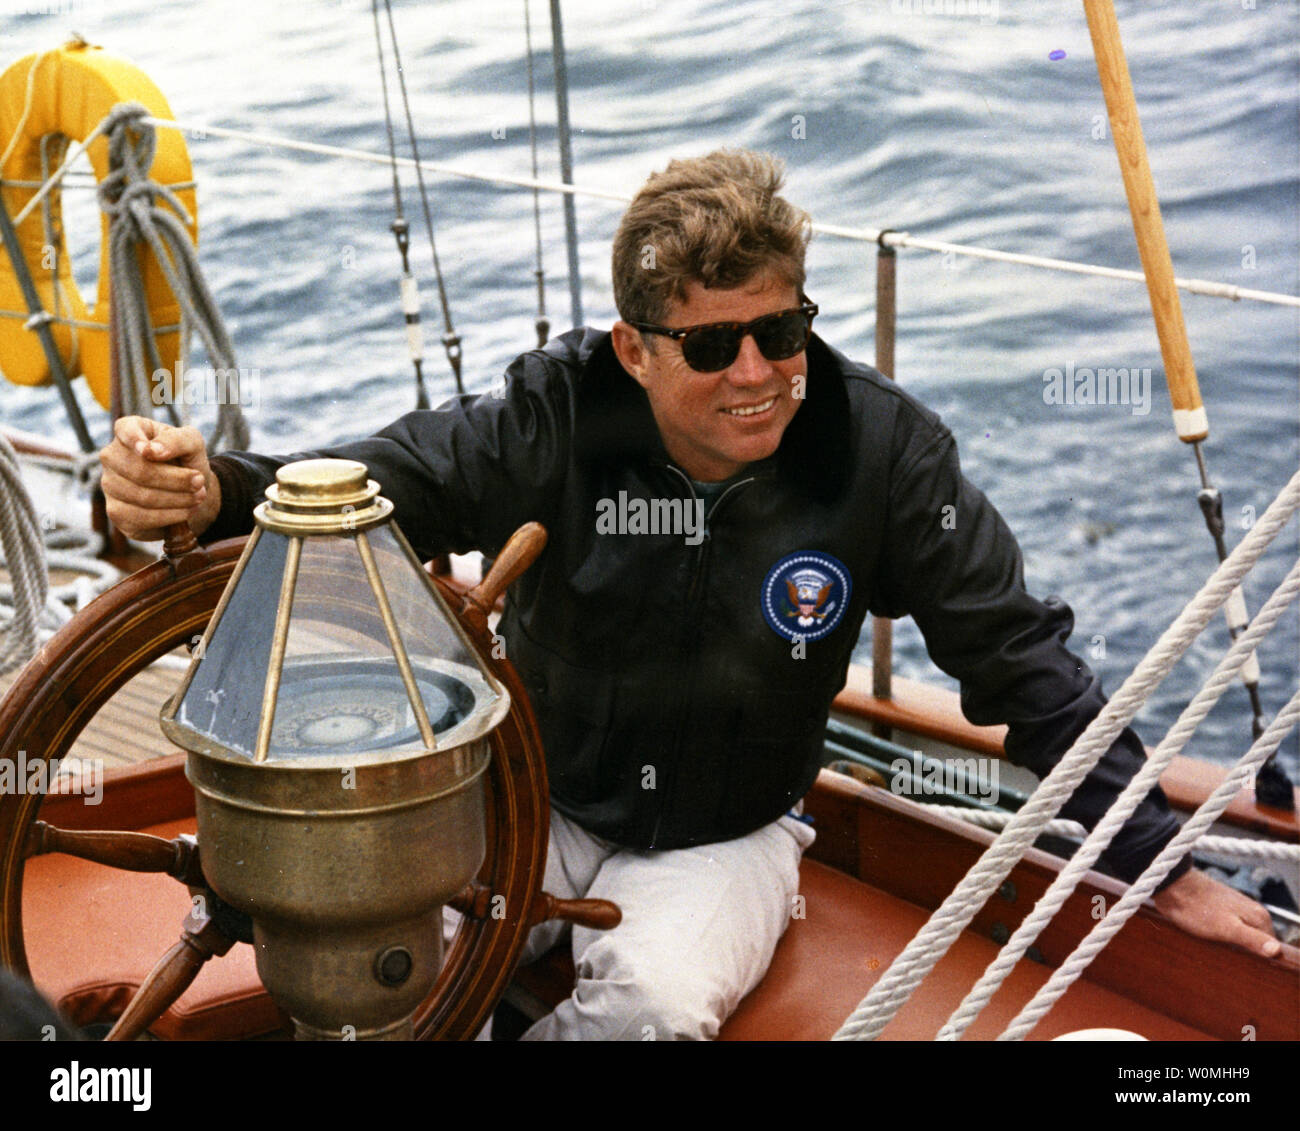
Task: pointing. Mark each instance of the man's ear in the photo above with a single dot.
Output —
(631, 350)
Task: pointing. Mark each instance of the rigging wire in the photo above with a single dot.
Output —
(890, 237)
(543, 323)
(410, 289)
(1273, 785)
(566, 159)
(450, 339)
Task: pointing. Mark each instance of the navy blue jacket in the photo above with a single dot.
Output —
(673, 708)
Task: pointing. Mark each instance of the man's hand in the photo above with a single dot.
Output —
(156, 475)
(1203, 906)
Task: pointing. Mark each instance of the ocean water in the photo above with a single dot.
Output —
(950, 120)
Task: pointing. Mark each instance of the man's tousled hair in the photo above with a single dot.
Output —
(716, 220)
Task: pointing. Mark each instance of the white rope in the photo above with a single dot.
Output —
(24, 557)
(367, 157)
(82, 181)
(52, 181)
(1065, 975)
(920, 955)
(1238, 847)
(1207, 287)
(28, 98)
(82, 323)
(1062, 887)
(987, 819)
(1248, 848)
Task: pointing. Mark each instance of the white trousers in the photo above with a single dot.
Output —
(699, 929)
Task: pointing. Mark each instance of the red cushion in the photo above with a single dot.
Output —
(94, 933)
(826, 963)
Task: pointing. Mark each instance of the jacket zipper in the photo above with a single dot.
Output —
(690, 638)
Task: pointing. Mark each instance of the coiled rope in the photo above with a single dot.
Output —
(31, 609)
(887, 996)
(128, 196)
(24, 555)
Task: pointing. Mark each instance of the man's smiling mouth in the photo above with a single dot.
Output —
(751, 410)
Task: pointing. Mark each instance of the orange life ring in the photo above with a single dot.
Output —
(71, 91)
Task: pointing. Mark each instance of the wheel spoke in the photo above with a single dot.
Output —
(598, 914)
(200, 940)
(476, 901)
(130, 851)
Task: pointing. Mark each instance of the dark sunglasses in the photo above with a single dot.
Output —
(714, 346)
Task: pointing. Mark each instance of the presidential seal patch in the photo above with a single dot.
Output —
(805, 595)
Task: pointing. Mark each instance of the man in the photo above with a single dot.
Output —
(682, 677)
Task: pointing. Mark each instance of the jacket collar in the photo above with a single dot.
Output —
(614, 422)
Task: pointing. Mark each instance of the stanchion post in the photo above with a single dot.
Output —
(882, 628)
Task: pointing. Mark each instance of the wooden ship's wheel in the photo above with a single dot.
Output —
(168, 604)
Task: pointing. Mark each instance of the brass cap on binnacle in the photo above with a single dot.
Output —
(322, 496)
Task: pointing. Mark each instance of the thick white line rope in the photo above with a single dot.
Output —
(986, 819)
(932, 942)
(1250, 849)
(1121, 809)
(1208, 287)
(1238, 847)
(1064, 976)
